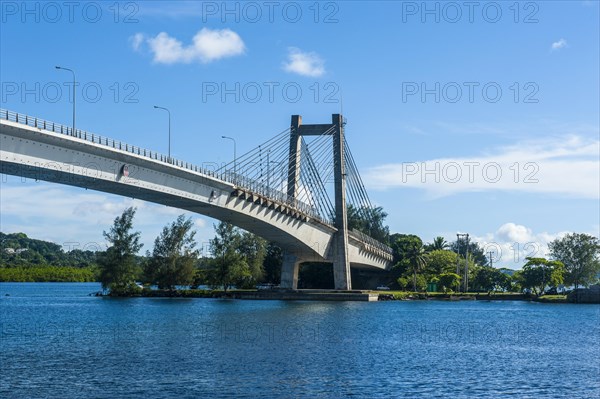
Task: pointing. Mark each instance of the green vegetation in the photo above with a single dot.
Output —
(118, 267)
(242, 260)
(18, 250)
(539, 273)
(490, 279)
(579, 253)
(419, 266)
(369, 221)
(438, 244)
(40, 274)
(254, 250)
(399, 295)
(237, 259)
(173, 258)
(449, 282)
(553, 298)
(23, 259)
(475, 251)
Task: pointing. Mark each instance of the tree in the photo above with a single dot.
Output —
(118, 268)
(417, 260)
(475, 251)
(408, 281)
(441, 261)
(228, 267)
(253, 249)
(409, 255)
(538, 273)
(401, 244)
(508, 282)
(518, 281)
(489, 279)
(438, 244)
(449, 281)
(174, 258)
(369, 221)
(579, 254)
(505, 282)
(403, 283)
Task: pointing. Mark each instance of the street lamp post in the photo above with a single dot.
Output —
(269, 162)
(467, 266)
(169, 112)
(458, 253)
(70, 70)
(466, 271)
(234, 153)
(491, 260)
(268, 172)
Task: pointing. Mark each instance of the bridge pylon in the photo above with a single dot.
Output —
(339, 244)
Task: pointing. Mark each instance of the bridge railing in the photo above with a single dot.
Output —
(226, 175)
(262, 189)
(97, 139)
(359, 235)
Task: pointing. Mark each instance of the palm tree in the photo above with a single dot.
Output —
(438, 244)
(417, 260)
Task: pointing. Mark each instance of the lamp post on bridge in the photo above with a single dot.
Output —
(269, 162)
(165, 109)
(268, 172)
(234, 153)
(70, 70)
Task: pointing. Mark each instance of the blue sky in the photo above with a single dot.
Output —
(463, 90)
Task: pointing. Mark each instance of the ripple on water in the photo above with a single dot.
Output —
(58, 342)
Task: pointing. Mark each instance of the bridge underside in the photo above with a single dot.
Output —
(263, 222)
(42, 155)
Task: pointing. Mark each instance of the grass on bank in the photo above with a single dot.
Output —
(552, 299)
(446, 295)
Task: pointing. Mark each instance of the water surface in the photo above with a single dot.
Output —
(56, 341)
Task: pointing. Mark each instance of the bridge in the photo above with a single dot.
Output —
(281, 190)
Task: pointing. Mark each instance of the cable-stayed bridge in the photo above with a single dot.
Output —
(293, 189)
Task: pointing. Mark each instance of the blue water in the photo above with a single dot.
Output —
(58, 342)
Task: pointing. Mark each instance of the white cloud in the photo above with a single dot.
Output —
(562, 43)
(566, 166)
(207, 45)
(75, 217)
(511, 243)
(136, 41)
(514, 232)
(305, 64)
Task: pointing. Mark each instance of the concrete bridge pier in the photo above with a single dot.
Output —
(289, 271)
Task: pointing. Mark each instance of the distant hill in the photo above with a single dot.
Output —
(18, 250)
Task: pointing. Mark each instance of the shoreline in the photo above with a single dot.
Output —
(332, 295)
